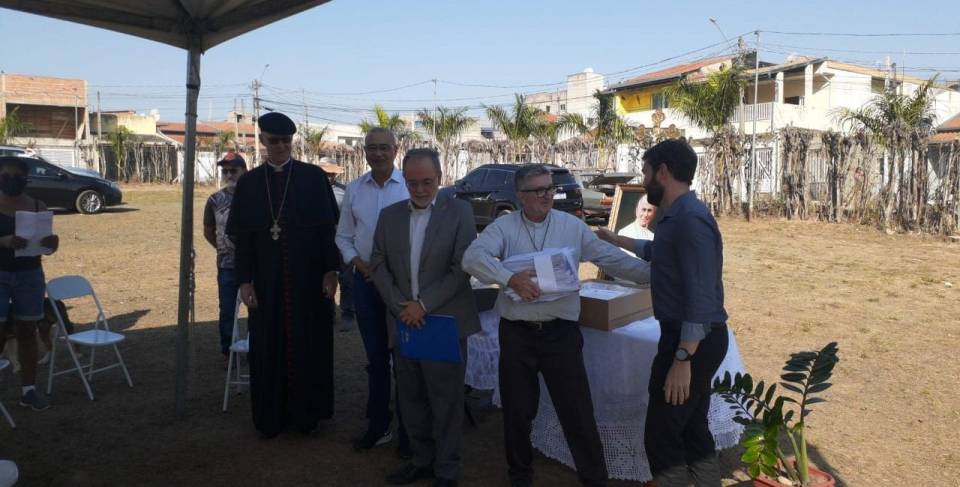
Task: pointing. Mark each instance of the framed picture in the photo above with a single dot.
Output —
(624, 209)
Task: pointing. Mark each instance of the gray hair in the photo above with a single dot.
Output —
(381, 130)
(529, 171)
(428, 154)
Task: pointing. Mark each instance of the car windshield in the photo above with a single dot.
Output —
(563, 178)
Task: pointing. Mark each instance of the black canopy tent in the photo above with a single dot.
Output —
(194, 25)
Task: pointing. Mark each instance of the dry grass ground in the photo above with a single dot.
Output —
(891, 419)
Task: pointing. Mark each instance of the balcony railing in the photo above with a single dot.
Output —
(749, 113)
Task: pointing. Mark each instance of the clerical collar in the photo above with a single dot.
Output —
(278, 167)
(533, 223)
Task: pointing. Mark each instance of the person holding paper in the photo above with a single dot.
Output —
(22, 284)
(544, 337)
(686, 259)
(415, 264)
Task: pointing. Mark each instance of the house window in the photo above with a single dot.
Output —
(418, 124)
(563, 107)
(548, 108)
(660, 101)
(793, 100)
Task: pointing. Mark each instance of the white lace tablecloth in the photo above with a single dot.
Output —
(618, 366)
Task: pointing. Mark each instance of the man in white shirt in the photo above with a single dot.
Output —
(544, 337)
(363, 200)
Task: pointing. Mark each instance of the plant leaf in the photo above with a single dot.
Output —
(818, 388)
(791, 387)
(795, 377)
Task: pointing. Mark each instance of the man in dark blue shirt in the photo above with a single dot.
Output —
(686, 270)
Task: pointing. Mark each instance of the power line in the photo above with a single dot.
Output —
(859, 34)
(862, 51)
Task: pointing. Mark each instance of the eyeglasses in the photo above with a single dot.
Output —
(229, 171)
(426, 184)
(273, 140)
(541, 192)
(381, 148)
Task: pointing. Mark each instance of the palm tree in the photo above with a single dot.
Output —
(119, 140)
(517, 125)
(902, 124)
(314, 141)
(11, 126)
(223, 141)
(447, 127)
(382, 119)
(406, 137)
(607, 128)
(710, 104)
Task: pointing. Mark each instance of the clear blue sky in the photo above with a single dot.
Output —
(341, 50)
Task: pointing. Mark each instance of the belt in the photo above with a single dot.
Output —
(537, 325)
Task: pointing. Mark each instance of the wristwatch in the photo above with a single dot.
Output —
(682, 355)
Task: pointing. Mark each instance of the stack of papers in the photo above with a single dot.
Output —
(33, 226)
(604, 291)
(556, 273)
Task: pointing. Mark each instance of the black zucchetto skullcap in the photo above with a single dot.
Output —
(277, 123)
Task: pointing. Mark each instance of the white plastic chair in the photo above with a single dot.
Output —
(4, 363)
(237, 347)
(72, 287)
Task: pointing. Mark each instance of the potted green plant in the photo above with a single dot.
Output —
(769, 416)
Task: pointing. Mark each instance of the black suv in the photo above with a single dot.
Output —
(69, 188)
(489, 188)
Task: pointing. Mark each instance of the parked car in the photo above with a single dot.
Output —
(72, 189)
(598, 191)
(489, 188)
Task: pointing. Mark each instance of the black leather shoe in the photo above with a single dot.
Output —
(404, 452)
(444, 483)
(371, 440)
(409, 474)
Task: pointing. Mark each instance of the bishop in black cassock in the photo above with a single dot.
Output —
(283, 221)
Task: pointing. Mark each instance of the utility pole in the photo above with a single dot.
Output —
(752, 178)
(76, 129)
(236, 127)
(100, 165)
(243, 113)
(306, 124)
(435, 143)
(256, 118)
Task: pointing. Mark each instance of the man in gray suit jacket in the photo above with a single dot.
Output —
(415, 264)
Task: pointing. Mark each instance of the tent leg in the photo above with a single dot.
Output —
(186, 227)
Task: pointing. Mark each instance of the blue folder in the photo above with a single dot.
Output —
(437, 340)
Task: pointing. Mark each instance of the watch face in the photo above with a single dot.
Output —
(682, 354)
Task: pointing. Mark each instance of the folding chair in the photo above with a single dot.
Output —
(237, 347)
(4, 363)
(72, 287)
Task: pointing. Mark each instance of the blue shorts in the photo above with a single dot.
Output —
(23, 293)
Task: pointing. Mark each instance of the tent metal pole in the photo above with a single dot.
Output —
(186, 227)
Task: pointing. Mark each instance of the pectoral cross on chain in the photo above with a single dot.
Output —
(275, 230)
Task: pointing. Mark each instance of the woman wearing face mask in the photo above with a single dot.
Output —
(22, 283)
(215, 214)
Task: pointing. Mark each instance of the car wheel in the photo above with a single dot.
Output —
(503, 211)
(89, 202)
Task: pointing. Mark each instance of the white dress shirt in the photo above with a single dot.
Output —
(360, 210)
(419, 218)
(513, 234)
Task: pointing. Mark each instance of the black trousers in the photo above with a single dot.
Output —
(556, 351)
(677, 438)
